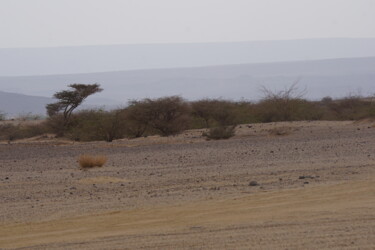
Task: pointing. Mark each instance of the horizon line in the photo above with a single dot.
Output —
(184, 43)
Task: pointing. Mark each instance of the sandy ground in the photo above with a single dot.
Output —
(316, 190)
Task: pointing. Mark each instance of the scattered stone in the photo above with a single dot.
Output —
(306, 182)
(253, 183)
(306, 177)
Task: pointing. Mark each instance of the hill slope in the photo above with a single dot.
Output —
(15, 104)
(335, 77)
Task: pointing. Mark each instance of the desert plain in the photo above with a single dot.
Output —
(288, 185)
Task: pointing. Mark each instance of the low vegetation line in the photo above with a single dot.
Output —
(172, 115)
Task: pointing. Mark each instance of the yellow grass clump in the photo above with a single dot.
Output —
(90, 161)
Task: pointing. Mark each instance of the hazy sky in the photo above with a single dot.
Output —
(42, 23)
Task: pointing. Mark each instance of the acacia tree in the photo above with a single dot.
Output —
(69, 100)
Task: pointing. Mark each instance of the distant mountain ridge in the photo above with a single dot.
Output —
(17, 104)
(14, 104)
(333, 77)
(92, 59)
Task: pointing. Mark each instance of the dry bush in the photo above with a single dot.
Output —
(165, 116)
(215, 112)
(204, 110)
(224, 113)
(9, 132)
(290, 110)
(96, 125)
(90, 125)
(12, 132)
(221, 132)
(287, 105)
(351, 108)
(90, 161)
(55, 124)
(135, 119)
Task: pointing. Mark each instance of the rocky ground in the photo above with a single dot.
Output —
(294, 185)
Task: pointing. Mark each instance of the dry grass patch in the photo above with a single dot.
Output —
(90, 161)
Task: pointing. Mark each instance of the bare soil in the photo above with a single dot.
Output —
(313, 187)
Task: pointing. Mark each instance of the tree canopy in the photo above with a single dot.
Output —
(68, 100)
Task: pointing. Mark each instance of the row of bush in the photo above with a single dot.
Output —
(171, 115)
(10, 132)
